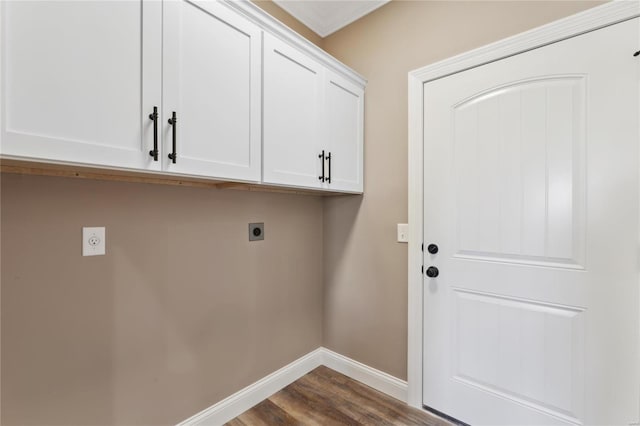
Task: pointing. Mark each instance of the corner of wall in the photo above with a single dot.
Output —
(290, 21)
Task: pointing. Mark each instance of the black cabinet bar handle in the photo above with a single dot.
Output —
(328, 157)
(321, 177)
(174, 155)
(154, 117)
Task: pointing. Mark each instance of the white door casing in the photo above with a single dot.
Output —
(212, 80)
(75, 90)
(588, 20)
(293, 107)
(518, 326)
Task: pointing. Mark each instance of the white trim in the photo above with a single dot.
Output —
(327, 22)
(589, 20)
(271, 25)
(255, 393)
(371, 377)
(415, 218)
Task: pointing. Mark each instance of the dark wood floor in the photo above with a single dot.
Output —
(325, 397)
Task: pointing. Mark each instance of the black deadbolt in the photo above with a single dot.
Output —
(432, 272)
(432, 248)
(257, 232)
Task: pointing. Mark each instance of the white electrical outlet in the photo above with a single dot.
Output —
(93, 241)
(403, 232)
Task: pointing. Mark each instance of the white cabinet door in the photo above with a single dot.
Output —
(292, 112)
(80, 80)
(211, 80)
(343, 133)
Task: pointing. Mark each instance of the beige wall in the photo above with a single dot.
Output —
(181, 312)
(365, 314)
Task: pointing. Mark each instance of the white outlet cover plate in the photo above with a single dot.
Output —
(93, 241)
(403, 232)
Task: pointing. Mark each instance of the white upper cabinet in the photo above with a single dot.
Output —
(292, 114)
(343, 133)
(80, 80)
(212, 81)
(237, 96)
(313, 122)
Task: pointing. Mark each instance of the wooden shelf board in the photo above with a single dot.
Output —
(79, 172)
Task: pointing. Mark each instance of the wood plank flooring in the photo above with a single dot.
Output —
(325, 397)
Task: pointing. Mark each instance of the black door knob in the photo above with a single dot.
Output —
(432, 272)
(432, 248)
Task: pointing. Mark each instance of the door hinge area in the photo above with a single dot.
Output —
(422, 248)
(422, 269)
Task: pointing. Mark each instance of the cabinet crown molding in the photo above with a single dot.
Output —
(280, 30)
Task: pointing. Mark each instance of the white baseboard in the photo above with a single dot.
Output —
(376, 379)
(246, 398)
(253, 394)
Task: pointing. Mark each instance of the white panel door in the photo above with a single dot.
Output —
(80, 80)
(343, 133)
(531, 195)
(211, 80)
(292, 113)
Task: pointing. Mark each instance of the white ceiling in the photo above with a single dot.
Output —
(327, 16)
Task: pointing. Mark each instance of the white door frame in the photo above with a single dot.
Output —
(589, 20)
